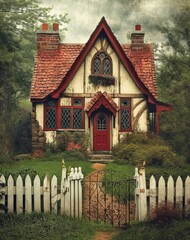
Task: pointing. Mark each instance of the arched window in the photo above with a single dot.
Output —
(102, 64)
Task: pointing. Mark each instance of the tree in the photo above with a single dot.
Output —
(18, 22)
(174, 80)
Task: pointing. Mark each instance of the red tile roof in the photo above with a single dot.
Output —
(55, 68)
(97, 96)
(142, 59)
(51, 67)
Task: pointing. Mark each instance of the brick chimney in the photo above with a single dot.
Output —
(137, 38)
(48, 39)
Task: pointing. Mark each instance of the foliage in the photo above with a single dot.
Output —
(165, 214)
(18, 22)
(139, 147)
(69, 141)
(174, 79)
(104, 80)
(147, 230)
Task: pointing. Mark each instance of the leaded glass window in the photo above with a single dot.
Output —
(72, 116)
(50, 118)
(102, 63)
(50, 114)
(107, 66)
(97, 65)
(125, 119)
(77, 102)
(125, 102)
(125, 114)
(77, 121)
(65, 118)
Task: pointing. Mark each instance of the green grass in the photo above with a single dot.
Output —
(47, 227)
(49, 164)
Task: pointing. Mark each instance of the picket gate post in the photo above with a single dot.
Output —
(141, 194)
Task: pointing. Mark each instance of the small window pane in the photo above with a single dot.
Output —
(65, 118)
(51, 118)
(77, 102)
(107, 66)
(102, 55)
(97, 64)
(77, 118)
(125, 103)
(125, 119)
(51, 103)
(101, 122)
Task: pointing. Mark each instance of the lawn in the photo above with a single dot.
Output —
(47, 227)
(50, 164)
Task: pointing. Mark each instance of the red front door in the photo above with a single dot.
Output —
(101, 132)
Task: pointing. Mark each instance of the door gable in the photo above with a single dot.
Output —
(101, 100)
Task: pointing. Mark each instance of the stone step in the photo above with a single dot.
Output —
(100, 158)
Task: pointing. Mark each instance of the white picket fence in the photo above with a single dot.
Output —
(25, 196)
(176, 193)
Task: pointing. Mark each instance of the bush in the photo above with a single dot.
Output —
(165, 214)
(62, 141)
(66, 141)
(138, 147)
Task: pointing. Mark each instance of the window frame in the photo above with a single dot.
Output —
(58, 119)
(46, 107)
(72, 107)
(107, 56)
(130, 115)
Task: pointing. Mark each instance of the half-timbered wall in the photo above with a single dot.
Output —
(124, 87)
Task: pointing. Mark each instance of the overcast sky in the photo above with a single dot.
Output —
(121, 15)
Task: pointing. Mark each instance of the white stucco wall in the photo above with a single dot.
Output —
(40, 114)
(40, 119)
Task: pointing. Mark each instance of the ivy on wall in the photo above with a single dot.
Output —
(104, 80)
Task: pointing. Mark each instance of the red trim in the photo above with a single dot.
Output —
(58, 114)
(104, 28)
(102, 101)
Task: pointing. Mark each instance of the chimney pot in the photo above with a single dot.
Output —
(138, 27)
(55, 26)
(44, 26)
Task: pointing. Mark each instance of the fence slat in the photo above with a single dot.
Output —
(187, 194)
(2, 192)
(28, 194)
(80, 192)
(170, 190)
(152, 193)
(54, 195)
(67, 196)
(63, 189)
(76, 177)
(46, 193)
(10, 193)
(19, 195)
(179, 192)
(72, 185)
(37, 194)
(161, 190)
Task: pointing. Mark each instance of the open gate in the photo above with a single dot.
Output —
(109, 197)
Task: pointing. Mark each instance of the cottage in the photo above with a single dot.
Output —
(102, 88)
